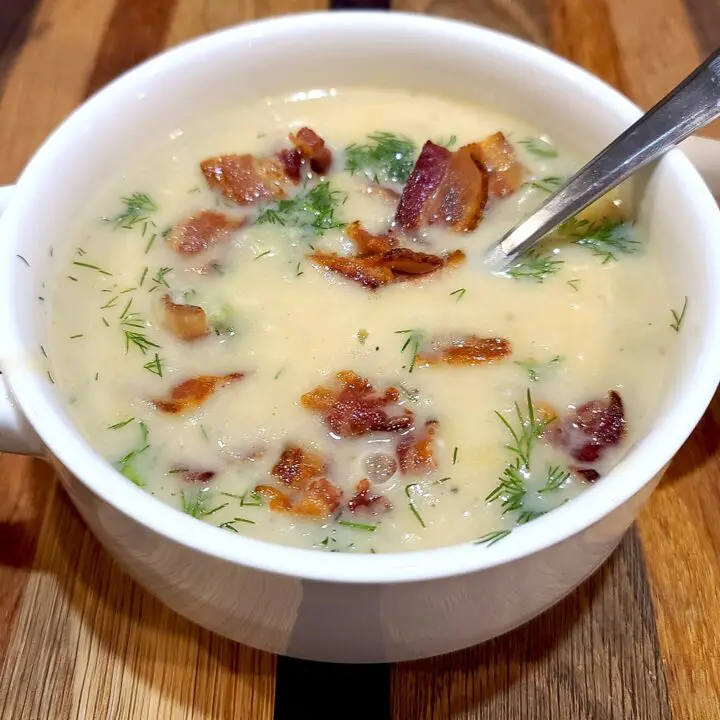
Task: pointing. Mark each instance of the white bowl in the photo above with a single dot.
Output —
(323, 606)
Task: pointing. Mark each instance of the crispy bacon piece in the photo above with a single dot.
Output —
(378, 262)
(415, 451)
(197, 233)
(505, 173)
(304, 473)
(194, 476)
(465, 350)
(296, 466)
(444, 187)
(312, 148)
(245, 179)
(365, 499)
(292, 163)
(356, 408)
(192, 393)
(587, 474)
(592, 428)
(186, 322)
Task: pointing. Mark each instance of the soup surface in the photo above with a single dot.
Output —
(279, 322)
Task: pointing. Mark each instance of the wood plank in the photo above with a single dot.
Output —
(594, 656)
(48, 76)
(103, 647)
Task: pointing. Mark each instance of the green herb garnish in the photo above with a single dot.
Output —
(138, 207)
(492, 537)
(412, 342)
(547, 184)
(555, 479)
(126, 464)
(196, 506)
(535, 369)
(230, 524)
(573, 284)
(448, 142)
(678, 318)
(91, 267)
(312, 211)
(357, 526)
(606, 238)
(120, 424)
(411, 503)
(155, 365)
(459, 292)
(387, 157)
(534, 266)
(539, 147)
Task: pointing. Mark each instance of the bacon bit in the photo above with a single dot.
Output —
(194, 476)
(245, 179)
(363, 498)
(292, 162)
(379, 263)
(415, 451)
(587, 474)
(276, 499)
(594, 426)
(192, 393)
(200, 232)
(505, 173)
(312, 148)
(319, 499)
(296, 467)
(186, 322)
(465, 350)
(357, 408)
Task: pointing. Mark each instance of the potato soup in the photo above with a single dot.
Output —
(279, 323)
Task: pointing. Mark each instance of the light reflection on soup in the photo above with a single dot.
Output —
(296, 340)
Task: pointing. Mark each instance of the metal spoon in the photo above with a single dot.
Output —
(694, 103)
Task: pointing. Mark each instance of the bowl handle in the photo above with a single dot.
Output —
(704, 154)
(16, 433)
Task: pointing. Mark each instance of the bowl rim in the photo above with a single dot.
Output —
(648, 458)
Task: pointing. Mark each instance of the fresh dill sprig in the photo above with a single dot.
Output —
(555, 479)
(126, 464)
(160, 278)
(248, 499)
(91, 267)
(535, 369)
(539, 147)
(492, 537)
(547, 184)
(386, 157)
(196, 506)
(512, 488)
(455, 455)
(678, 318)
(230, 524)
(460, 292)
(411, 503)
(131, 323)
(120, 424)
(573, 284)
(138, 208)
(311, 211)
(155, 365)
(527, 516)
(412, 342)
(534, 266)
(358, 526)
(606, 238)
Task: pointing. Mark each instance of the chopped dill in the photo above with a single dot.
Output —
(279, 373)
(573, 284)
(527, 516)
(678, 318)
(139, 340)
(535, 369)
(74, 279)
(197, 506)
(358, 526)
(412, 341)
(20, 257)
(411, 503)
(606, 238)
(230, 524)
(50, 377)
(539, 147)
(110, 303)
(460, 292)
(555, 479)
(196, 189)
(150, 243)
(143, 276)
(492, 537)
(386, 157)
(155, 365)
(42, 350)
(159, 277)
(298, 271)
(204, 432)
(311, 210)
(126, 464)
(263, 254)
(547, 184)
(455, 455)
(248, 499)
(534, 266)
(91, 267)
(80, 252)
(412, 394)
(138, 207)
(120, 424)
(75, 337)
(107, 324)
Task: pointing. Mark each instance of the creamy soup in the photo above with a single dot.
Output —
(279, 322)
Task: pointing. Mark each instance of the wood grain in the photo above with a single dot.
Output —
(80, 639)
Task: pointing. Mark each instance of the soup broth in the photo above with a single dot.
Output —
(319, 358)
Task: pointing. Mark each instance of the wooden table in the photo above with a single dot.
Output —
(78, 639)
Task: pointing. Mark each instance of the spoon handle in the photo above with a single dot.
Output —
(691, 105)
